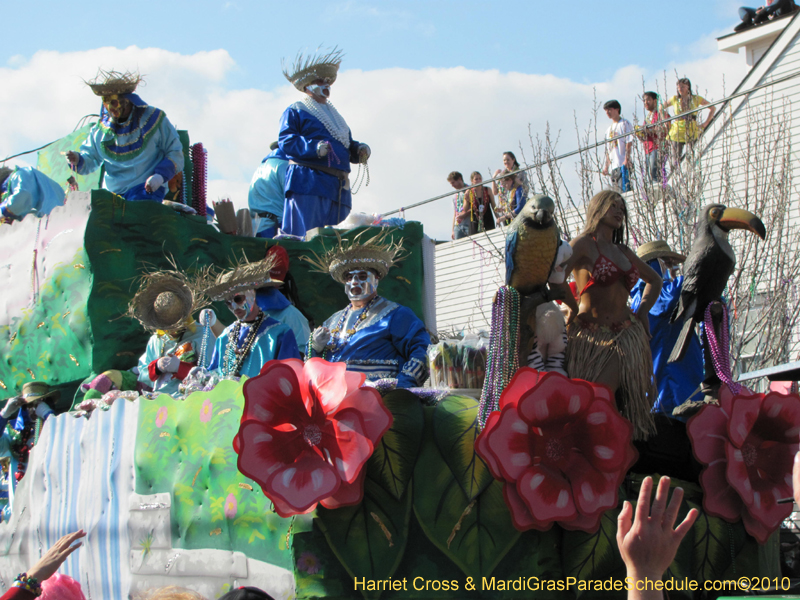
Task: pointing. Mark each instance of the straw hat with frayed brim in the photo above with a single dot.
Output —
(377, 253)
(306, 70)
(244, 276)
(658, 249)
(36, 391)
(108, 83)
(165, 300)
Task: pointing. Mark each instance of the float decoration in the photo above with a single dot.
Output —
(560, 448)
(392, 463)
(747, 445)
(306, 433)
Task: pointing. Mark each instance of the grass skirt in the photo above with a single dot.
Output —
(590, 349)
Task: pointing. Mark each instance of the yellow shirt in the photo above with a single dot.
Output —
(686, 129)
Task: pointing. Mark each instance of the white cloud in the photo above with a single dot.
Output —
(421, 124)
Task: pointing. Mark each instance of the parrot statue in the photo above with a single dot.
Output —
(531, 245)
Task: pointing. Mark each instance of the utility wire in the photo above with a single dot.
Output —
(596, 144)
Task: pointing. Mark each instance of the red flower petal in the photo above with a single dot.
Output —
(708, 431)
(737, 474)
(285, 510)
(524, 380)
(349, 494)
(555, 400)
(592, 490)
(757, 529)
(350, 449)
(328, 382)
(743, 416)
(303, 483)
(603, 436)
(587, 523)
(368, 402)
(274, 396)
(482, 445)
(719, 498)
(264, 449)
(508, 442)
(779, 419)
(547, 494)
(521, 517)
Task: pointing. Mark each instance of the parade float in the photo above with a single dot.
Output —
(436, 498)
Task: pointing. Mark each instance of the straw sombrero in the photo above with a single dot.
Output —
(378, 253)
(107, 83)
(165, 300)
(305, 71)
(35, 391)
(658, 249)
(244, 276)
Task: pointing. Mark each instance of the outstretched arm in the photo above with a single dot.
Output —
(649, 543)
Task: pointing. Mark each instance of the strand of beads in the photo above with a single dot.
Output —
(235, 356)
(338, 342)
(720, 349)
(502, 359)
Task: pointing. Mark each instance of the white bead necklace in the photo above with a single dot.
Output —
(334, 123)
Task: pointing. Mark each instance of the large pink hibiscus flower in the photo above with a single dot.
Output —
(747, 445)
(560, 447)
(306, 433)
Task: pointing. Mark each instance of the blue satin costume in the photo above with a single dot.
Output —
(275, 304)
(390, 343)
(313, 198)
(145, 144)
(267, 194)
(28, 191)
(676, 381)
(274, 341)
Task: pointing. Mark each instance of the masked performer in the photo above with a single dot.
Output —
(607, 342)
(274, 302)
(253, 338)
(136, 143)
(164, 305)
(25, 191)
(372, 335)
(317, 142)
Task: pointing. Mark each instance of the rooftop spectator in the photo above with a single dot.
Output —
(756, 16)
(618, 152)
(510, 165)
(685, 130)
(481, 202)
(652, 136)
(511, 198)
(461, 209)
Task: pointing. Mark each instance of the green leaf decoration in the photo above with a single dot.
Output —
(681, 567)
(591, 556)
(455, 427)
(716, 542)
(369, 539)
(392, 463)
(475, 534)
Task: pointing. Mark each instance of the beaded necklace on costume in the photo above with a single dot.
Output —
(234, 356)
(337, 342)
(333, 122)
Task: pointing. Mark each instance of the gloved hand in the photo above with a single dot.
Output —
(12, 406)
(43, 410)
(153, 183)
(364, 150)
(168, 364)
(73, 158)
(320, 338)
(323, 148)
(207, 317)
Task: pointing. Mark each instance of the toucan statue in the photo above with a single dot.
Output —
(707, 269)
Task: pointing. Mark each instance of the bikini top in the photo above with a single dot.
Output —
(606, 272)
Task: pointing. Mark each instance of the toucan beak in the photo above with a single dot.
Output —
(738, 218)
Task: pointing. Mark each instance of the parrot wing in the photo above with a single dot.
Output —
(511, 247)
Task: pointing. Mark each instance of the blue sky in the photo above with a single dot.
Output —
(432, 86)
